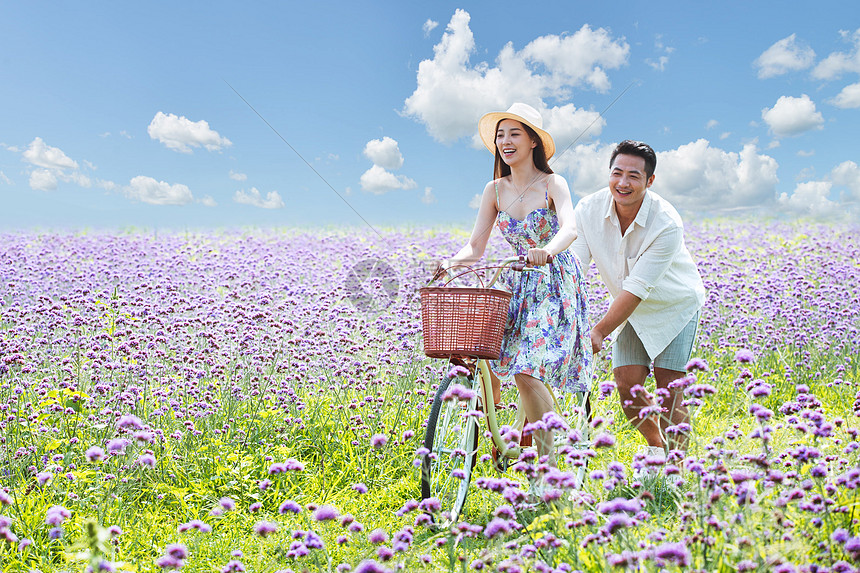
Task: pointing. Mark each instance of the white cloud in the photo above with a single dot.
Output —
(694, 177)
(787, 55)
(427, 198)
(208, 201)
(838, 63)
(810, 198)
(52, 165)
(847, 174)
(181, 134)
(429, 26)
(385, 155)
(452, 94)
(849, 97)
(378, 180)
(237, 176)
(587, 166)
(792, 115)
(815, 198)
(254, 197)
(699, 177)
(5, 180)
(712, 123)
(43, 155)
(43, 180)
(149, 190)
(475, 202)
(660, 63)
(384, 152)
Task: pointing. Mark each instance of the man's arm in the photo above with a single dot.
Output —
(580, 244)
(619, 311)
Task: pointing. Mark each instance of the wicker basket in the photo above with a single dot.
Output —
(465, 322)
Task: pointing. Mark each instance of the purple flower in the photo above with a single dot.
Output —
(176, 550)
(370, 566)
(146, 460)
(265, 528)
(5, 499)
(291, 465)
(604, 440)
(852, 547)
(168, 562)
(377, 536)
(675, 552)
(233, 566)
(617, 521)
(227, 503)
(56, 515)
(197, 524)
(360, 488)
(618, 505)
(458, 371)
(325, 513)
(696, 364)
(497, 526)
(700, 390)
(117, 446)
(94, 454)
(44, 477)
(129, 422)
(459, 392)
(744, 356)
(431, 504)
(289, 506)
(407, 507)
(378, 440)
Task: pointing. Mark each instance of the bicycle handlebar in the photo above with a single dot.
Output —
(517, 263)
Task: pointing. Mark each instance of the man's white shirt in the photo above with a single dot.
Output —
(650, 261)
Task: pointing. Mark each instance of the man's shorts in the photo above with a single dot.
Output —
(628, 349)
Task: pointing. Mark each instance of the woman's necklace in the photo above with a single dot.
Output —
(521, 194)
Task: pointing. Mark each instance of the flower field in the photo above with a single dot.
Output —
(255, 401)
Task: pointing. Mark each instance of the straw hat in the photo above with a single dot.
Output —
(521, 112)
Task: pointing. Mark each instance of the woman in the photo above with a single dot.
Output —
(547, 334)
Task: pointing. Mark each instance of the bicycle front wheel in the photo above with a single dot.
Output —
(452, 440)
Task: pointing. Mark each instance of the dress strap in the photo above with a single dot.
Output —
(546, 194)
(496, 185)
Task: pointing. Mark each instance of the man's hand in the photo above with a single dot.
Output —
(597, 339)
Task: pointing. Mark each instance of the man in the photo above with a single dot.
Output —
(636, 239)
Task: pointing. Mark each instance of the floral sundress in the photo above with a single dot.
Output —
(547, 335)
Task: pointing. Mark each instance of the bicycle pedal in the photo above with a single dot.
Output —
(500, 462)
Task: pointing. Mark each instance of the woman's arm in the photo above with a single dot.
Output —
(487, 213)
(559, 192)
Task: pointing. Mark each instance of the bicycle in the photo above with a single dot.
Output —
(466, 324)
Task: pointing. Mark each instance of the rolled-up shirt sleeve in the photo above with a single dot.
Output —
(650, 266)
(580, 244)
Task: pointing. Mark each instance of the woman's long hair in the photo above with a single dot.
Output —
(502, 169)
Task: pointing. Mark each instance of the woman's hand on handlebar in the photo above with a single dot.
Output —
(539, 257)
(441, 268)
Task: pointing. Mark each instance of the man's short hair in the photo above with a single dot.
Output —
(639, 149)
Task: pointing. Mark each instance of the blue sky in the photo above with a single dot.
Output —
(131, 115)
